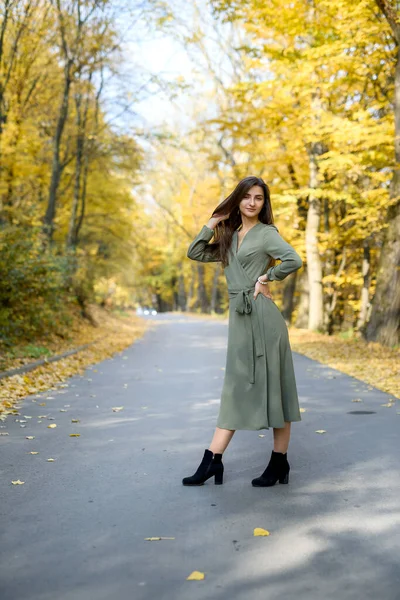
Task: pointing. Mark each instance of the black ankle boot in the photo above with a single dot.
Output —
(210, 466)
(277, 470)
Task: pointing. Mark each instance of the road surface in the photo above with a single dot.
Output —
(76, 529)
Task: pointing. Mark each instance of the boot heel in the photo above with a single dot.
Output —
(218, 478)
(284, 479)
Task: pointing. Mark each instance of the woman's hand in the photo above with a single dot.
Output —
(213, 222)
(262, 289)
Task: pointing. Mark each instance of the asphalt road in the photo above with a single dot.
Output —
(75, 529)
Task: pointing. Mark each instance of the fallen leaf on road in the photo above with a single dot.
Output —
(62, 410)
(42, 404)
(30, 437)
(75, 421)
(117, 408)
(259, 531)
(195, 576)
(320, 431)
(52, 426)
(18, 482)
(261, 435)
(389, 404)
(33, 452)
(302, 410)
(5, 433)
(154, 539)
(356, 400)
(50, 460)
(74, 434)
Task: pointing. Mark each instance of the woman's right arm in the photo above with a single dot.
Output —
(201, 250)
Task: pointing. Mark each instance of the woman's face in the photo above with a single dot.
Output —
(252, 202)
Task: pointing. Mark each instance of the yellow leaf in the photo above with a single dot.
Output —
(33, 452)
(259, 531)
(52, 426)
(42, 404)
(50, 460)
(302, 410)
(74, 434)
(261, 435)
(389, 404)
(356, 400)
(30, 437)
(117, 408)
(18, 482)
(195, 576)
(4, 433)
(75, 420)
(320, 431)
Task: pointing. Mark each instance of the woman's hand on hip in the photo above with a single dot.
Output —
(262, 289)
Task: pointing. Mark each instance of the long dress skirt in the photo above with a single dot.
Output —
(259, 389)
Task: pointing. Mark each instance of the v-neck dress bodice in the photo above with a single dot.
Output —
(259, 389)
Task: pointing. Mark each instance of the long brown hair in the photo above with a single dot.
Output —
(223, 232)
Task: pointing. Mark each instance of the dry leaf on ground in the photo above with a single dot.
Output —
(195, 576)
(259, 531)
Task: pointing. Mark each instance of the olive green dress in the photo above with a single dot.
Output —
(259, 389)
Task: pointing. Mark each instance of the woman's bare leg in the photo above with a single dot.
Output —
(282, 437)
(220, 440)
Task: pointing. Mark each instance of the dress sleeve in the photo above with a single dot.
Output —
(201, 250)
(277, 247)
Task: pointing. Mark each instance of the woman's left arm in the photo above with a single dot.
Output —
(278, 248)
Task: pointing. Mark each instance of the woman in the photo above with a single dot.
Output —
(259, 389)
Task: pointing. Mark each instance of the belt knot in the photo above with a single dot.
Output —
(244, 306)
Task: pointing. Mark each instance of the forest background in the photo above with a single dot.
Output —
(112, 159)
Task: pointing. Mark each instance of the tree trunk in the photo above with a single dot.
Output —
(56, 164)
(384, 324)
(303, 305)
(366, 273)
(181, 295)
(214, 289)
(288, 297)
(71, 237)
(314, 268)
(202, 300)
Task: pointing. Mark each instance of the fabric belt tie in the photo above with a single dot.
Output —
(244, 306)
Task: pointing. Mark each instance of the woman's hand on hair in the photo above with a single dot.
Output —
(215, 219)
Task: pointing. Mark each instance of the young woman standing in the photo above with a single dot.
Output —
(259, 389)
